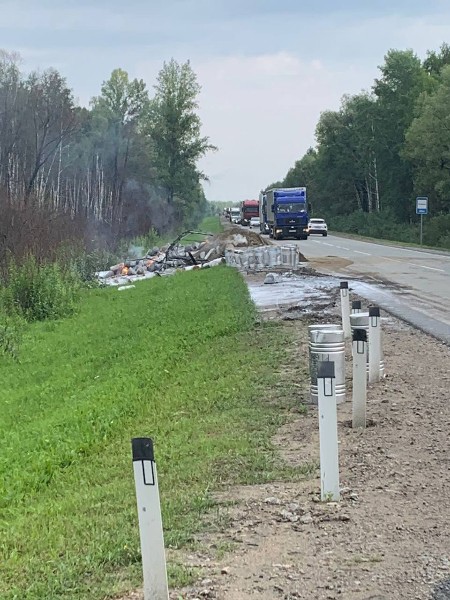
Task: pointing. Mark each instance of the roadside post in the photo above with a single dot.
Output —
(345, 309)
(150, 522)
(329, 453)
(356, 306)
(359, 378)
(421, 209)
(374, 344)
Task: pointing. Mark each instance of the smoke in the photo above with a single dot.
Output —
(136, 251)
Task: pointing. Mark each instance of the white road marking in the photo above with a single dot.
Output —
(425, 267)
(397, 260)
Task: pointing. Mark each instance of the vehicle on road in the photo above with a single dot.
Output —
(249, 209)
(235, 215)
(286, 212)
(254, 223)
(263, 224)
(317, 226)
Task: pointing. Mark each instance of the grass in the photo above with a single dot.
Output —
(178, 359)
(208, 225)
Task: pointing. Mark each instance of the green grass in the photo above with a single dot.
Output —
(178, 359)
(208, 225)
(211, 225)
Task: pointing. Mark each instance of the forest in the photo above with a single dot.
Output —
(382, 149)
(89, 177)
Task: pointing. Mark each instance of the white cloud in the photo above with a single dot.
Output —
(262, 112)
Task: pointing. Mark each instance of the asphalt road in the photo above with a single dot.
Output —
(411, 284)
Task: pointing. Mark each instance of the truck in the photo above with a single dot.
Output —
(235, 215)
(286, 213)
(249, 209)
(263, 224)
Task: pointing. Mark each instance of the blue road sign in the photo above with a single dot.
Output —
(422, 205)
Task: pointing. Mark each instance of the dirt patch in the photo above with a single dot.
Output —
(331, 263)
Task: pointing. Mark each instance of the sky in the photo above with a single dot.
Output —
(267, 68)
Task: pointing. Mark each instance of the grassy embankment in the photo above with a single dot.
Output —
(178, 359)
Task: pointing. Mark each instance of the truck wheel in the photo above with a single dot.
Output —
(324, 234)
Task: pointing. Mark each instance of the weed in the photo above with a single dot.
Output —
(39, 291)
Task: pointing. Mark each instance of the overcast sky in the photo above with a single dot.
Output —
(267, 68)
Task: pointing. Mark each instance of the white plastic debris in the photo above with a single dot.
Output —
(272, 278)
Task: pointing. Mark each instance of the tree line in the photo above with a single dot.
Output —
(382, 148)
(123, 166)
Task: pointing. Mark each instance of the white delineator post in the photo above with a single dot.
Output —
(345, 309)
(150, 522)
(359, 352)
(329, 453)
(374, 344)
(356, 306)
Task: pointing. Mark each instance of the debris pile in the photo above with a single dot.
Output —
(261, 257)
(179, 256)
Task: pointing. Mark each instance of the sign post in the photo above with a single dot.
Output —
(150, 523)
(345, 309)
(328, 433)
(359, 378)
(421, 209)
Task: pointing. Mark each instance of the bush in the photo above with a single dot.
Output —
(436, 231)
(381, 225)
(84, 265)
(39, 291)
(11, 332)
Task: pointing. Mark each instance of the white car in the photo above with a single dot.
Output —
(317, 226)
(255, 222)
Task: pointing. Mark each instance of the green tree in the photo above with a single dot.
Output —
(121, 100)
(428, 145)
(175, 130)
(398, 89)
(118, 114)
(435, 61)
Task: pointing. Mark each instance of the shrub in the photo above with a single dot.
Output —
(84, 264)
(385, 226)
(11, 332)
(39, 291)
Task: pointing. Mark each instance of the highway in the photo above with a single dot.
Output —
(411, 284)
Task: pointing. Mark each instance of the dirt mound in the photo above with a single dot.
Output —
(233, 235)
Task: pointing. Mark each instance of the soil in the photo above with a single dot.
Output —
(389, 536)
(253, 238)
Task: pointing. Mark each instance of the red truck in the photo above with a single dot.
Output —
(249, 209)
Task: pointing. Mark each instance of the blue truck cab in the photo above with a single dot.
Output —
(286, 211)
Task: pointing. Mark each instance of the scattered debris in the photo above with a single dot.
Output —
(166, 260)
(125, 287)
(261, 257)
(238, 247)
(272, 278)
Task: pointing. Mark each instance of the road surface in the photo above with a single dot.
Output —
(411, 284)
